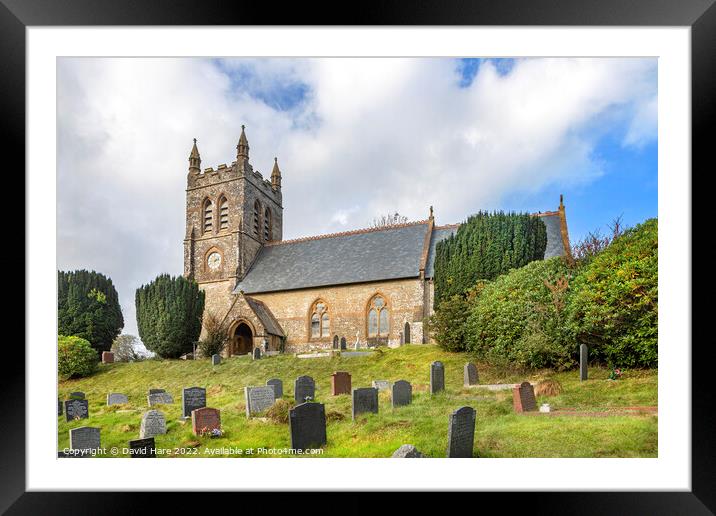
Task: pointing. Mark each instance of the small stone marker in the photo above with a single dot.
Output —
(437, 377)
(77, 395)
(340, 383)
(523, 397)
(215, 359)
(59, 407)
(152, 424)
(259, 399)
(116, 398)
(257, 353)
(192, 398)
(545, 407)
(76, 409)
(407, 451)
(470, 377)
(304, 387)
(142, 448)
(461, 433)
(84, 438)
(583, 355)
(156, 391)
(204, 420)
(307, 425)
(277, 387)
(381, 385)
(343, 343)
(160, 397)
(402, 393)
(365, 399)
(107, 357)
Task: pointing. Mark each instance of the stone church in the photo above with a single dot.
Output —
(367, 287)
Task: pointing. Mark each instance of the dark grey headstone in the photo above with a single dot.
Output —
(257, 353)
(407, 451)
(365, 399)
(78, 395)
(307, 424)
(59, 407)
(277, 387)
(470, 376)
(303, 387)
(153, 423)
(160, 398)
(381, 385)
(156, 391)
(461, 433)
(215, 359)
(583, 355)
(437, 377)
(192, 398)
(116, 398)
(84, 439)
(142, 448)
(259, 399)
(343, 343)
(402, 393)
(76, 409)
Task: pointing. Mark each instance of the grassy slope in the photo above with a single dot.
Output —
(499, 432)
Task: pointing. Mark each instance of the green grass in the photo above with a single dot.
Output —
(499, 431)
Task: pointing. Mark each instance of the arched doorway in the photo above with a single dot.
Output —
(407, 333)
(242, 341)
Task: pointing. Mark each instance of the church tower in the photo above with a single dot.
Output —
(230, 213)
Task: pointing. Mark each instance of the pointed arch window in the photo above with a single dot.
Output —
(267, 225)
(208, 215)
(257, 211)
(378, 317)
(320, 320)
(223, 213)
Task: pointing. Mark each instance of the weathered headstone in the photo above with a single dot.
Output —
(259, 399)
(343, 343)
(107, 357)
(192, 398)
(365, 399)
(381, 385)
(583, 355)
(461, 433)
(160, 398)
(78, 395)
(142, 448)
(84, 438)
(307, 425)
(523, 397)
(116, 398)
(156, 391)
(304, 387)
(407, 451)
(340, 383)
(59, 407)
(470, 377)
(402, 393)
(257, 353)
(76, 409)
(335, 342)
(205, 420)
(277, 387)
(215, 359)
(153, 423)
(437, 377)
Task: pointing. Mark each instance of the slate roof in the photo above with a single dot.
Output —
(554, 235)
(265, 316)
(439, 233)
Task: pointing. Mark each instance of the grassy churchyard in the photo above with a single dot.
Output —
(595, 418)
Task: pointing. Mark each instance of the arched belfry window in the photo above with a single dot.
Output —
(320, 320)
(257, 211)
(208, 216)
(267, 225)
(223, 213)
(378, 314)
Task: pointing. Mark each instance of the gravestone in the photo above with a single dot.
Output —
(523, 397)
(142, 448)
(156, 391)
(84, 438)
(406, 334)
(343, 343)
(259, 399)
(335, 342)
(116, 398)
(160, 398)
(59, 407)
(437, 377)
(257, 353)
(277, 387)
(76, 409)
(152, 424)
(192, 398)
(340, 383)
(204, 420)
(307, 425)
(381, 385)
(215, 359)
(583, 354)
(407, 451)
(470, 376)
(303, 387)
(107, 357)
(402, 393)
(365, 399)
(461, 433)
(78, 395)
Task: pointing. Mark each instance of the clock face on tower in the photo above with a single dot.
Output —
(214, 261)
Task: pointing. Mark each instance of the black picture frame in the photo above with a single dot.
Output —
(700, 15)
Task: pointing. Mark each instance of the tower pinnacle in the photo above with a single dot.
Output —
(194, 159)
(242, 148)
(276, 175)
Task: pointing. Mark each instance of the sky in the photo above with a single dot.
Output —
(354, 138)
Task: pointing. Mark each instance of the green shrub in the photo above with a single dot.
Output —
(448, 324)
(216, 335)
(75, 357)
(614, 309)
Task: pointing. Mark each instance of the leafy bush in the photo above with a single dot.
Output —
(75, 357)
(518, 319)
(448, 324)
(614, 309)
(169, 312)
(216, 335)
(124, 348)
(88, 307)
